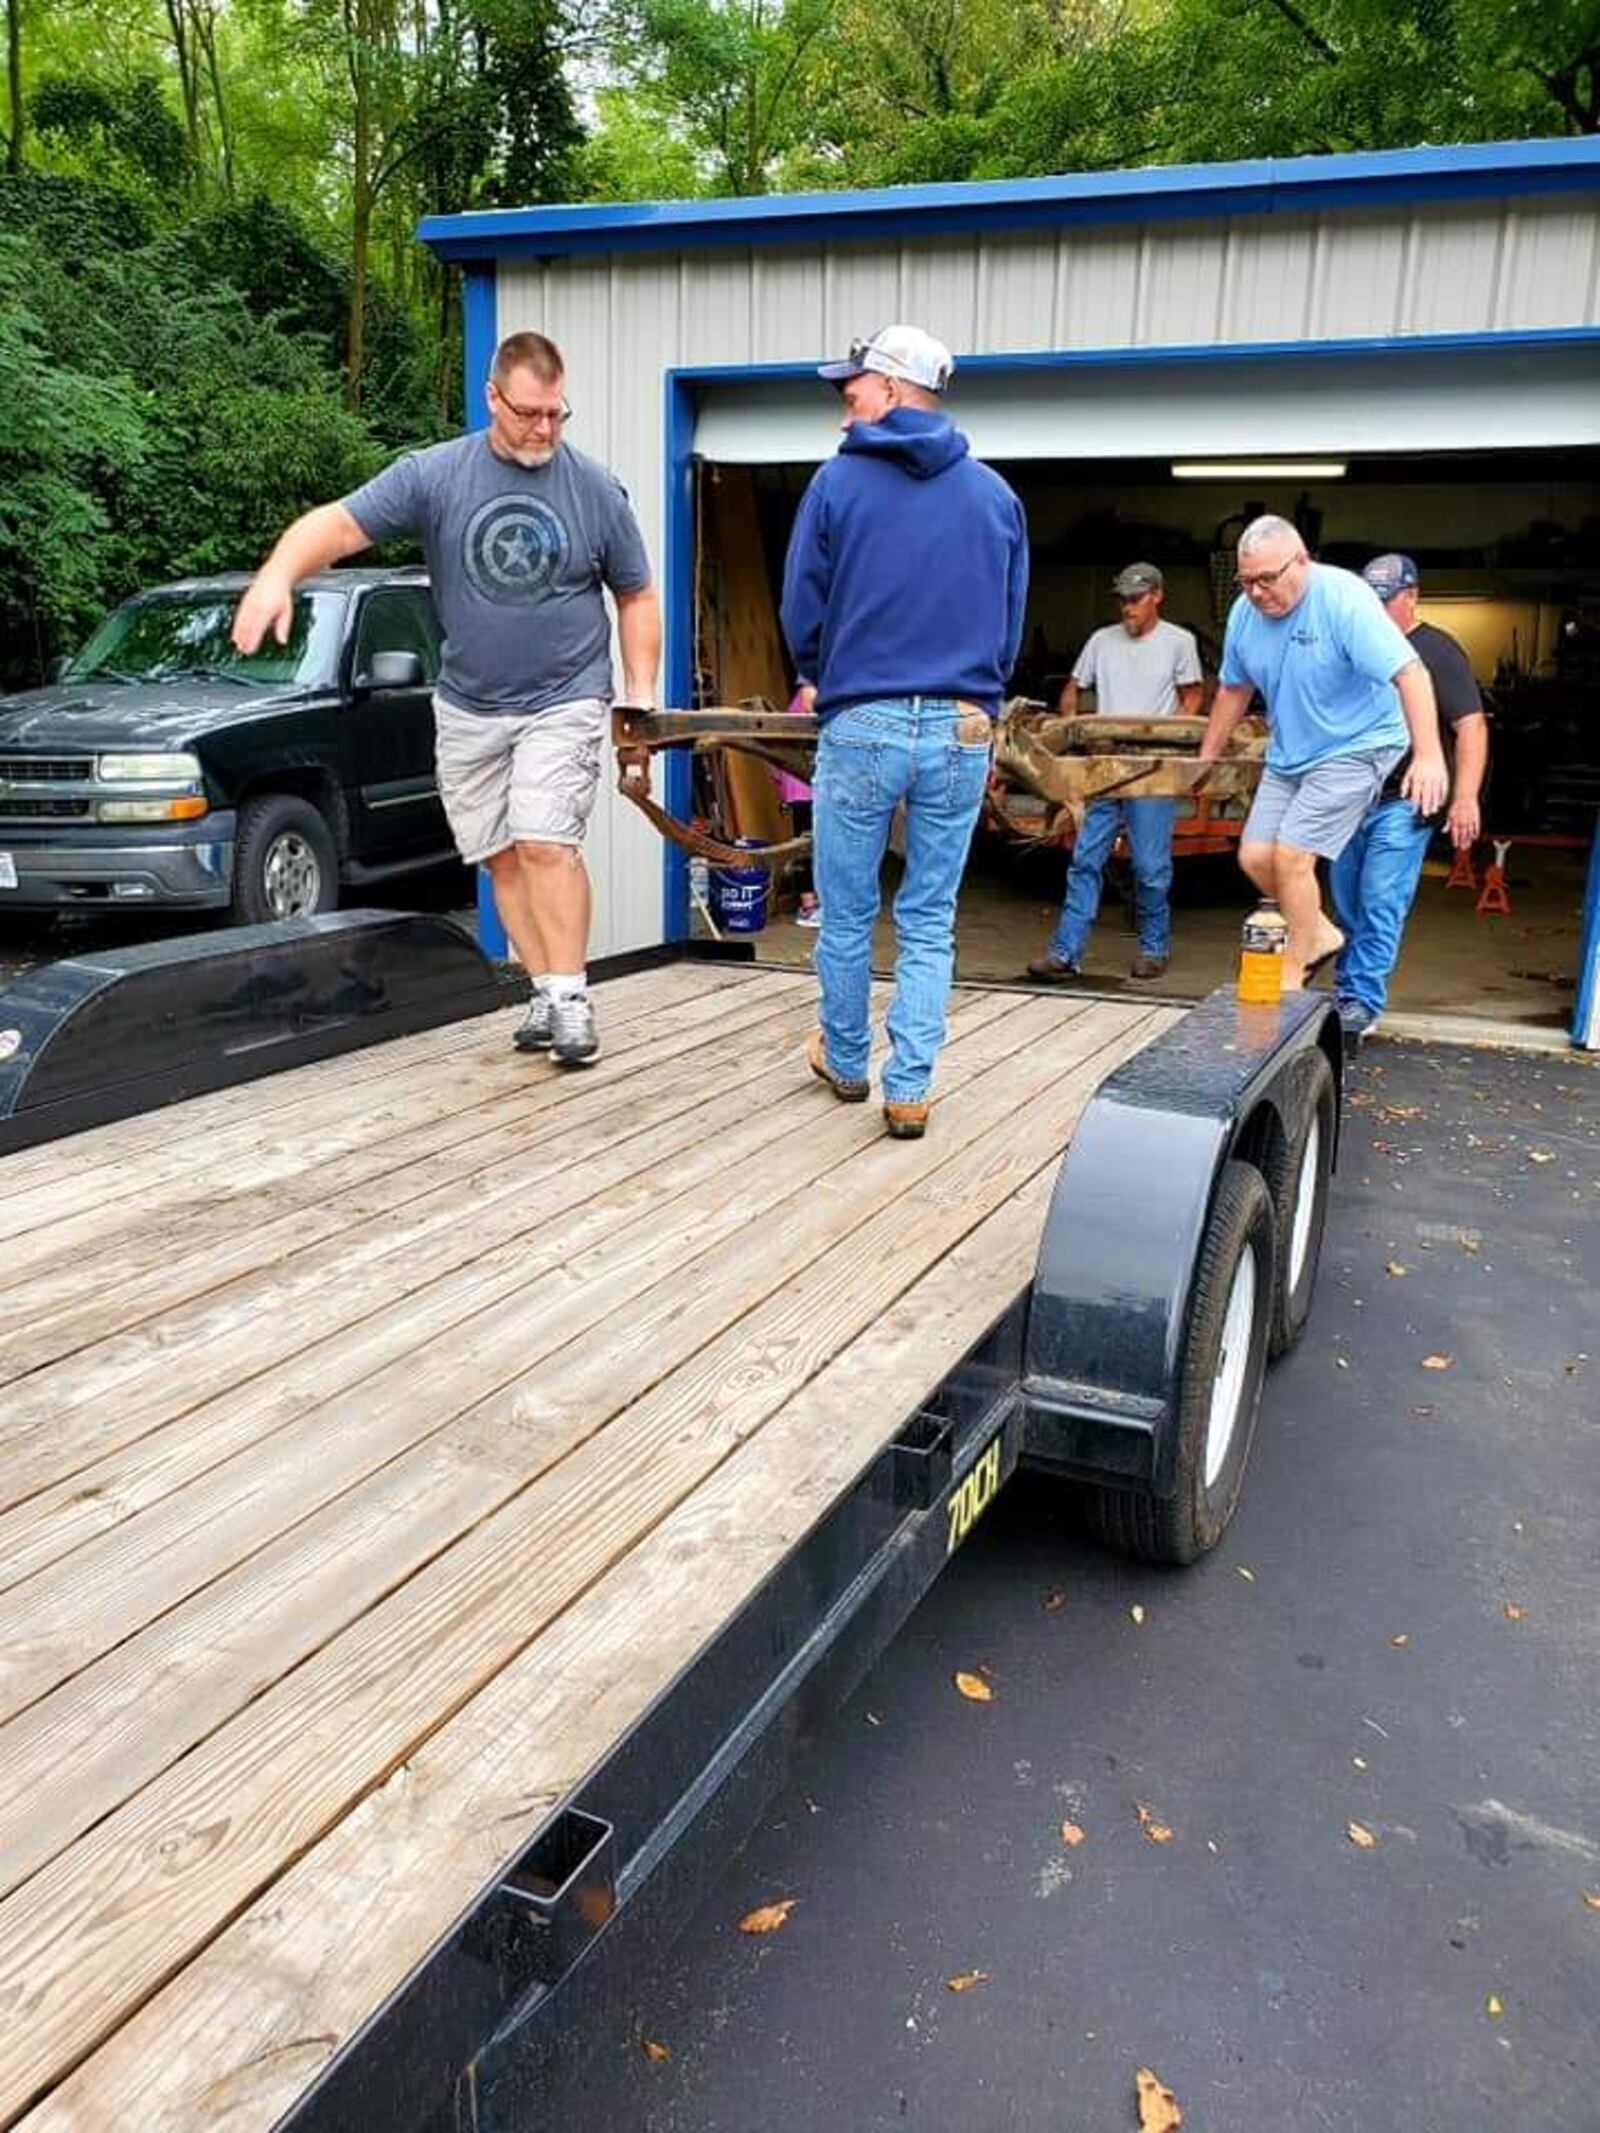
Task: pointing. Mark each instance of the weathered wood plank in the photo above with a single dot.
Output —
(396, 1874)
(194, 1846)
(121, 1720)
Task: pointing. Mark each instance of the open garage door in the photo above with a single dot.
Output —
(1319, 402)
(1483, 464)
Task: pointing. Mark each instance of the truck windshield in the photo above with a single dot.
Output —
(170, 636)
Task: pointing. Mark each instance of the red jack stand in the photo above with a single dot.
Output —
(1463, 875)
(1494, 897)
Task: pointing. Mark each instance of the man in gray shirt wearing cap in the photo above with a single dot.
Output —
(1140, 667)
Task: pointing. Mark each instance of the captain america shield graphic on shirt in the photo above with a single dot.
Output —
(514, 547)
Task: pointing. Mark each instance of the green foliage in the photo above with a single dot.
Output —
(126, 125)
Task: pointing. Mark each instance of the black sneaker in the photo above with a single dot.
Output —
(533, 1032)
(574, 1039)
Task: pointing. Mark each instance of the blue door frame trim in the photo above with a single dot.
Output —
(1586, 1012)
(683, 384)
(1157, 193)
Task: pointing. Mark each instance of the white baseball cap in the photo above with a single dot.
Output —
(896, 352)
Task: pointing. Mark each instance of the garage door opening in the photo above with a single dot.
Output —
(1506, 542)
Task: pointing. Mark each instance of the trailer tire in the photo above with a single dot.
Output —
(1224, 1362)
(1297, 1172)
(285, 861)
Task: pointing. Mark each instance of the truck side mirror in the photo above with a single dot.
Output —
(392, 670)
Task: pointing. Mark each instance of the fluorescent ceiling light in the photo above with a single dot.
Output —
(1258, 469)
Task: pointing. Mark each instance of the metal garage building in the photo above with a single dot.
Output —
(1431, 316)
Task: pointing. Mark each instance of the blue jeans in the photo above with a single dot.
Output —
(869, 757)
(1374, 884)
(1149, 826)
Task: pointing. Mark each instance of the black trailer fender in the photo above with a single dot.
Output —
(1110, 1309)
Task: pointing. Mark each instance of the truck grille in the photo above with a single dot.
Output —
(50, 769)
(30, 788)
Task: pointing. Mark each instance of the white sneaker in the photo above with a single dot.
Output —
(533, 1032)
(809, 917)
(574, 1039)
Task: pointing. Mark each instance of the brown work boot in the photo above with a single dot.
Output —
(847, 1090)
(1052, 970)
(906, 1120)
(1149, 966)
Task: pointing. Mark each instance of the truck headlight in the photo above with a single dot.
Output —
(177, 768)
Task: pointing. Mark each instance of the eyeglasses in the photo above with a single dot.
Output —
(1267, 578)
(552, 417)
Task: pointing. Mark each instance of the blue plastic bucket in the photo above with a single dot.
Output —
(739, 894)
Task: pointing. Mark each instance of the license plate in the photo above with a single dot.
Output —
(8, 871)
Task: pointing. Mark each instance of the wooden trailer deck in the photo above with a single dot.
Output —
(379, 1440)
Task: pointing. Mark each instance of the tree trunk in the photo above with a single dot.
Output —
(14, 78)
(360, 59)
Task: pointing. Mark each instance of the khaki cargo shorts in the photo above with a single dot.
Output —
(520, 780)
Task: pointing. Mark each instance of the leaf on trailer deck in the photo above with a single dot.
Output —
(768, 1917)
(1360, 1836)
(1401, 1641)
(1494, 2007)
(1396, 1271)
(1158, 2107)
(1156, 1830)
(1072, 1836)
(1053, 1602)
(1437, 1362)
(1137, 1612)
(1512, 1612)
(966, 1979)
(974, 1688)
(656, 2052)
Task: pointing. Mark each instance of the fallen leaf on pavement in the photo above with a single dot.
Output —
(768, 1917)
(1246, 1573)
(1494, 2007)
(1358, 1762)
(1437, 1362)
(1158, 2107)
(1396, 1270)
(655, 2052)
(1071, 1835)
(1156, 1830)
(1137, 1612)
(975, 1688)
(1360, 1836)
(1054, 1601)
(1470, 1241)
(1541, 1155)
(966, 1980)
(1512, 1612)
(1401, 1641)
(1592, 1898)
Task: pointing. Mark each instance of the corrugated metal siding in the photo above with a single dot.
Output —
(623, 321)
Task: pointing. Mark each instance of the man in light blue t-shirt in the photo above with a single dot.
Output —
(1345, 696)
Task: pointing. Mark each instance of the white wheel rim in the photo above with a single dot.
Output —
(1233, 1360)
(1305, 1202)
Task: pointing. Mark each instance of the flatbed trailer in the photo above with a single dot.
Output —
(438, 1492)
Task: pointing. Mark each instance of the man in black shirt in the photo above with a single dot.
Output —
(1374, 879)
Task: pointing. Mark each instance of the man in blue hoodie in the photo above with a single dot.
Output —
(903, 598)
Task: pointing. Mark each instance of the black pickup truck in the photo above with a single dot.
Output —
(162, 769)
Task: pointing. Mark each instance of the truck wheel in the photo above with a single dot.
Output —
(284, 861)
(1224, 1362)
(1297, 1175)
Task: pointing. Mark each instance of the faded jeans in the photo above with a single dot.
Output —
(1374, 884)
(1149, 824)
(869, 757)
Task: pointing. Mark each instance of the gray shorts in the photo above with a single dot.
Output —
(1319, 810)
(527, 780)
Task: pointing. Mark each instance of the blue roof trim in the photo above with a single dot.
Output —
(1162, 192)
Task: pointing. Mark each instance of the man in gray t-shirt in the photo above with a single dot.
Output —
(523, 537)
(1140, 667)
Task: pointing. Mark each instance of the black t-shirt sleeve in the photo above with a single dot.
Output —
(1454, 684)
